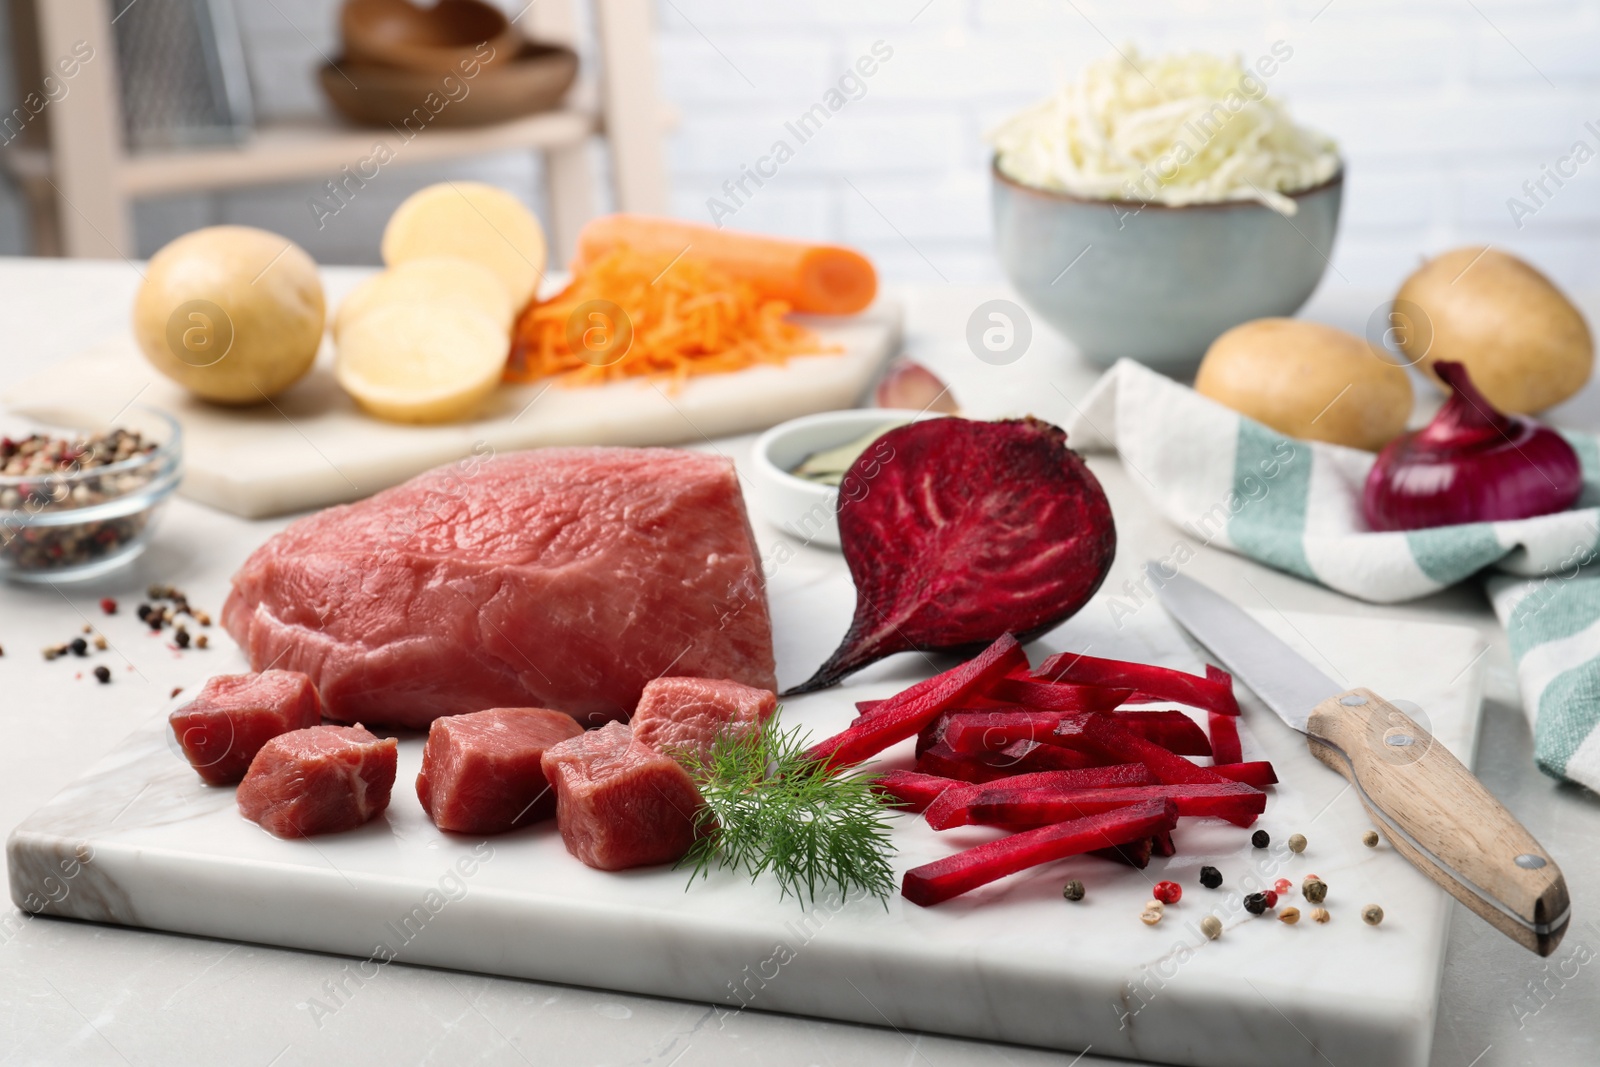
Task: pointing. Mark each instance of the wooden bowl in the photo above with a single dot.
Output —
(441, 38)
(534, 79)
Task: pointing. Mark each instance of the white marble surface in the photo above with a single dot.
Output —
(94, 994)
(139, 840)
(311, 446)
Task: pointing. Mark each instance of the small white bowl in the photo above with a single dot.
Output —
(799, 507)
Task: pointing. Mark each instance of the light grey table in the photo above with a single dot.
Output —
(84, 994)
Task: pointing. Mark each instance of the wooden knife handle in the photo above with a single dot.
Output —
(1441, 818)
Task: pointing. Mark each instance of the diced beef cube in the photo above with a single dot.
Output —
(318, 781)
(619, 802)
(222, 729)
(481, 772)
(686, 714)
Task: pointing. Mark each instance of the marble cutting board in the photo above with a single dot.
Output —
(311, 446)
(139, 841)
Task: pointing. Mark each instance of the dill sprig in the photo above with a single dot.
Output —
(772, 808)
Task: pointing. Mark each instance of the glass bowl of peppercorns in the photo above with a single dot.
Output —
(75, 504)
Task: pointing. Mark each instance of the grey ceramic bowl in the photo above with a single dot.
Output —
(1158, 284)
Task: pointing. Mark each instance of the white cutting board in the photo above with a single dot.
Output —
(311, 446)
(139, 841)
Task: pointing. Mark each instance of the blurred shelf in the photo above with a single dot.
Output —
(80, 188)
(314, 149)
(287, 151)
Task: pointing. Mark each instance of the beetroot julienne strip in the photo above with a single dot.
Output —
(1149, 682)
(998, 805)
(1224, 738)
(1051, 696)
(1133, 854)
(1102, 735)
(940, 761)
(1022, 756)
(933, 732)
(1161, 844)
(958, 800)
(940, 880)
(1258, 773)
(977, 732)
(1171, 729)
(914, 791)
(991, 730)
(902, 716)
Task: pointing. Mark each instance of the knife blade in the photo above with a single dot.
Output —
(1432, 810)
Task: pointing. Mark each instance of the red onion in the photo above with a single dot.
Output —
(1470, 464)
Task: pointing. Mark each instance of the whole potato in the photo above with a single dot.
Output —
(1525, 345)
(1308, 380)
(231, 313)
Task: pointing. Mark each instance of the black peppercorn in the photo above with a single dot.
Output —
(181, 637)
(102, 674)
(1256, 903)
(79, 647)
(155, 620)
(1073, 890)
(1260, 839)
(1210, 877)
(144, 611)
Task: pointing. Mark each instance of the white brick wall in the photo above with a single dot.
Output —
(1443, 108)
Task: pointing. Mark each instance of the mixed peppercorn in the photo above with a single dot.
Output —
(1313, 889)
(166, 607)
(41, 473)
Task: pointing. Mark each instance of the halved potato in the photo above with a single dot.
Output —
(435, 280)
(1308, 380)
(423, 362)
(474, 221)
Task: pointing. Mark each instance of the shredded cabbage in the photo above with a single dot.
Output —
(1175, 129)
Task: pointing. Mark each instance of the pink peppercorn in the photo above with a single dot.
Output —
(1168, 892)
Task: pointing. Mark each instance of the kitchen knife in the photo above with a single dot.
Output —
(1430, 807)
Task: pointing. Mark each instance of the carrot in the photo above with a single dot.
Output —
(821, 279)
(680, 316)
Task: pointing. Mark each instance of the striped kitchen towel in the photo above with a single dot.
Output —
(1229, 481)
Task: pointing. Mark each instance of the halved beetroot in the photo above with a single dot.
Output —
(942, 879)
(968, 530)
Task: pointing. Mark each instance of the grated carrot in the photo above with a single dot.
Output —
(687, 318)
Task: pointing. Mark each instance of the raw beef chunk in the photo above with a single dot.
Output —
(222, 729)
(318, 781)
(678, 715)
(481, 773)
(620, 803)
(561, 578)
